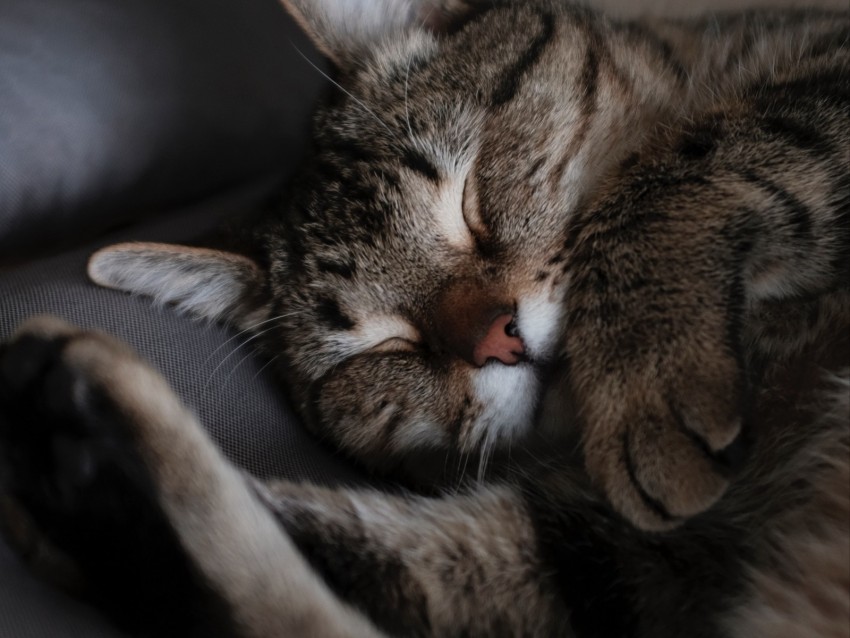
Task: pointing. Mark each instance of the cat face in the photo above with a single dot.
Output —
(416, 280)
(417, 274)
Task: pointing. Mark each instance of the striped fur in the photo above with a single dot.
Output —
(643, 194)
(662, 206)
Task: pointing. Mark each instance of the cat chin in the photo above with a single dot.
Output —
(508, 396)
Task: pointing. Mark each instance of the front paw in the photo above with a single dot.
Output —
(665, 441)
(75, 409)
(67, 457)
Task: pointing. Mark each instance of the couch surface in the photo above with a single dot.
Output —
(113, 111)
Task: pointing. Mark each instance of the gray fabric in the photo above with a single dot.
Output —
(29, 609)
(212, 369)
(109, 110)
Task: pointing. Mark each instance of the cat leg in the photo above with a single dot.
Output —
(117, 473)
(746, 208)
(658, 376)
(463, 565)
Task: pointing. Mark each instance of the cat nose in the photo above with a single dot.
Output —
(501, 342)
(470, 322)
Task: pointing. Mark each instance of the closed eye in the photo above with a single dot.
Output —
(472, 211)
(395, 344)
(387, 333)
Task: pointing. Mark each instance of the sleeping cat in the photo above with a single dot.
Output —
(526, 228)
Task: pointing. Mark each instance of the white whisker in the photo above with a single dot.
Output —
(224, 360)
(406, 102)
(236, 367)
(242, 332)
(266, 365)
(340, 87)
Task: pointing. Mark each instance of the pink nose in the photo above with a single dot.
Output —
(498, 344)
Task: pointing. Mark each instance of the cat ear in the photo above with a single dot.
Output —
(339, 28)
(208, 283)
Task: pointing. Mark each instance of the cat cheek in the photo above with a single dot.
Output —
(386, 400)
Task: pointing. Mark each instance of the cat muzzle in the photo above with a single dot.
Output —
(473, 325)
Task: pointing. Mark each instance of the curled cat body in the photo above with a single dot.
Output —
(606, 259)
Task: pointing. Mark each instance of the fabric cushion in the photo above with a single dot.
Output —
(110, 110)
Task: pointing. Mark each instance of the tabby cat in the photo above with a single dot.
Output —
(618, 250)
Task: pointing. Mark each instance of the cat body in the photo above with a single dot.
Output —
(509, 200)
(618, 250)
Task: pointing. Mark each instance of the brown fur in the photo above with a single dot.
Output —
(662, 207)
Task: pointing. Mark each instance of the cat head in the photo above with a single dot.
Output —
(414, 286)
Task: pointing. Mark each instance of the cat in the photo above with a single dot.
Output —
(523, 226)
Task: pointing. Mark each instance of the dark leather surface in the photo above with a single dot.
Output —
(110, 110)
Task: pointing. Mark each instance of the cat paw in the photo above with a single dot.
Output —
(78, 491)
(664, 450)
(68, 460)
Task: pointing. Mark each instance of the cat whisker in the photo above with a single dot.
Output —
(236, 367)
(425, 19)
(487, 449)
(250, 328)
(463, 462)
(265, 365)
(406, 101)
(224, 360)
(365, 108)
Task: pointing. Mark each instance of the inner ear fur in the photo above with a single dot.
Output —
(344, 29)
(208, 283)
